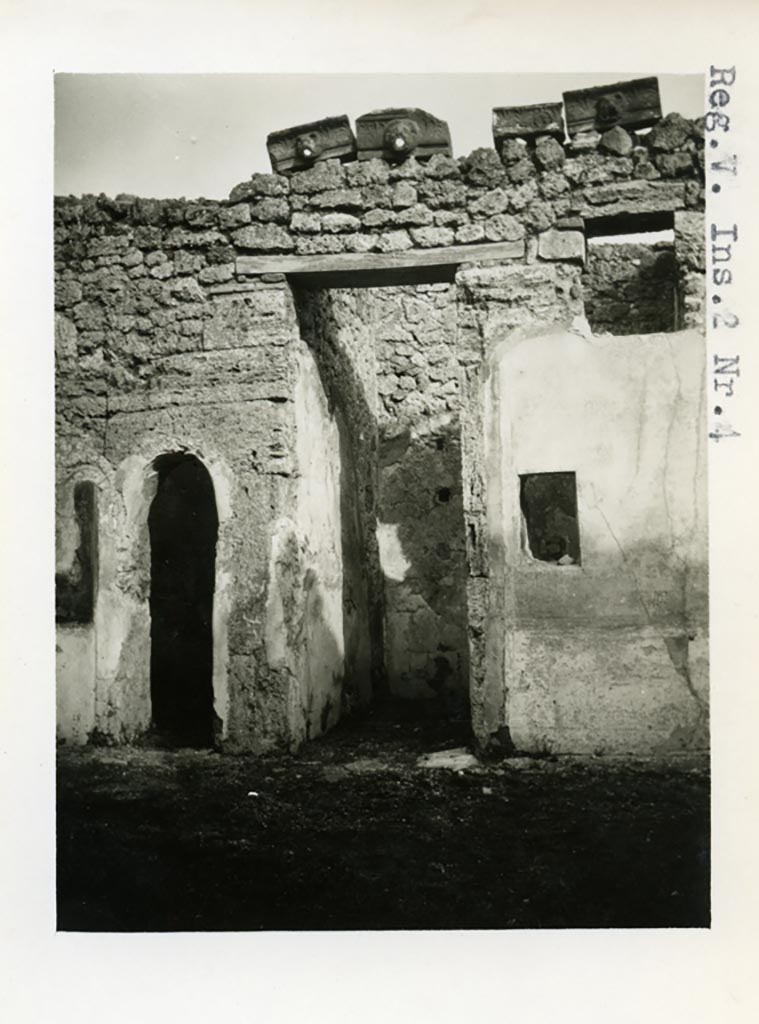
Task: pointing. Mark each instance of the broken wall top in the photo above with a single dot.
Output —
(380, 206)
(141, 282)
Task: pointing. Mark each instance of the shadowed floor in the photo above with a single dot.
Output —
(352, 833)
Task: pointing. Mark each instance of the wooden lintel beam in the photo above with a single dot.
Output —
(441, 274)
(410, 260)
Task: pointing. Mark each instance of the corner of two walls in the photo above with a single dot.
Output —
(337, 448)
(609, 656)
(304, 604)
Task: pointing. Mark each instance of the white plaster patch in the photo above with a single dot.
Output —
(429, 425)
(283, 536)
(393, 562)
(581, 326)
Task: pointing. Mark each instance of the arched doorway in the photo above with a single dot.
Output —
(183, 524)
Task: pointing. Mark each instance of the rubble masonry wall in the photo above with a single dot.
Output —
(163, 344)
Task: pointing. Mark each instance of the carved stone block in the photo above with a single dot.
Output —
(397, 134)
(632, 105)
(527, 122)
(561, 245)
(295, 149)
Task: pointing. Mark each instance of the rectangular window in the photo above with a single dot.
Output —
(630, 278)
(549, 517)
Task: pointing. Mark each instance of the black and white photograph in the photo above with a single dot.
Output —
(378, 425)
(381, 503)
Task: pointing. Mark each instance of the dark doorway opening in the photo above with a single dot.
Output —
(183, 525)
(549, 516)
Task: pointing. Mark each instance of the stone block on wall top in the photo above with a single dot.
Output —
(634, 104)
(399, 133)
(295, 149)
(527, 122)
(562, 245)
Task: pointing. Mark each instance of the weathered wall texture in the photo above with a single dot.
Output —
(304, 608)
(337, 325)
(373, 206)
(388, 361)
(420, 515)
(493, 302)
(690, 260)
(352, 450)
(150, 360)
(610, 655)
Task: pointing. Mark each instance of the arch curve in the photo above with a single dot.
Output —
(183, 527)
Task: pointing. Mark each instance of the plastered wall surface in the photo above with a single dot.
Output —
(320, 646)
(608, 655)
(337, 326)
(234, 407)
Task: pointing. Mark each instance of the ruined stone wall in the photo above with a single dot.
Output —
(168, 339)
(420, 516)
(371, 206)
(150, 359)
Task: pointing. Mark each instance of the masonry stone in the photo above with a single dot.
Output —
(260, 185)
(549, 154)
(670, 133)
(270, 210)
(561, 245)
(367, 172)
(378, 218)
(394, 241)
(483, 168)
(319, 245)
(513, 151)
(520, 170)
(365, 440)
(339, 222)
(428, 237)
(494, 201)
(337, 199)
(503, 228)
(404, 194)
(263, 237)
(234, 216)
(307, 223)
(585, 142)
(674, 165)
(471, 233)
(417, 215)
(616, 141)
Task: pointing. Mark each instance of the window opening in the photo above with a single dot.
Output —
(549, 516)
(630, 276)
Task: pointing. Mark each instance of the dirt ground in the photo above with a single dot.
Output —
(353, 834)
